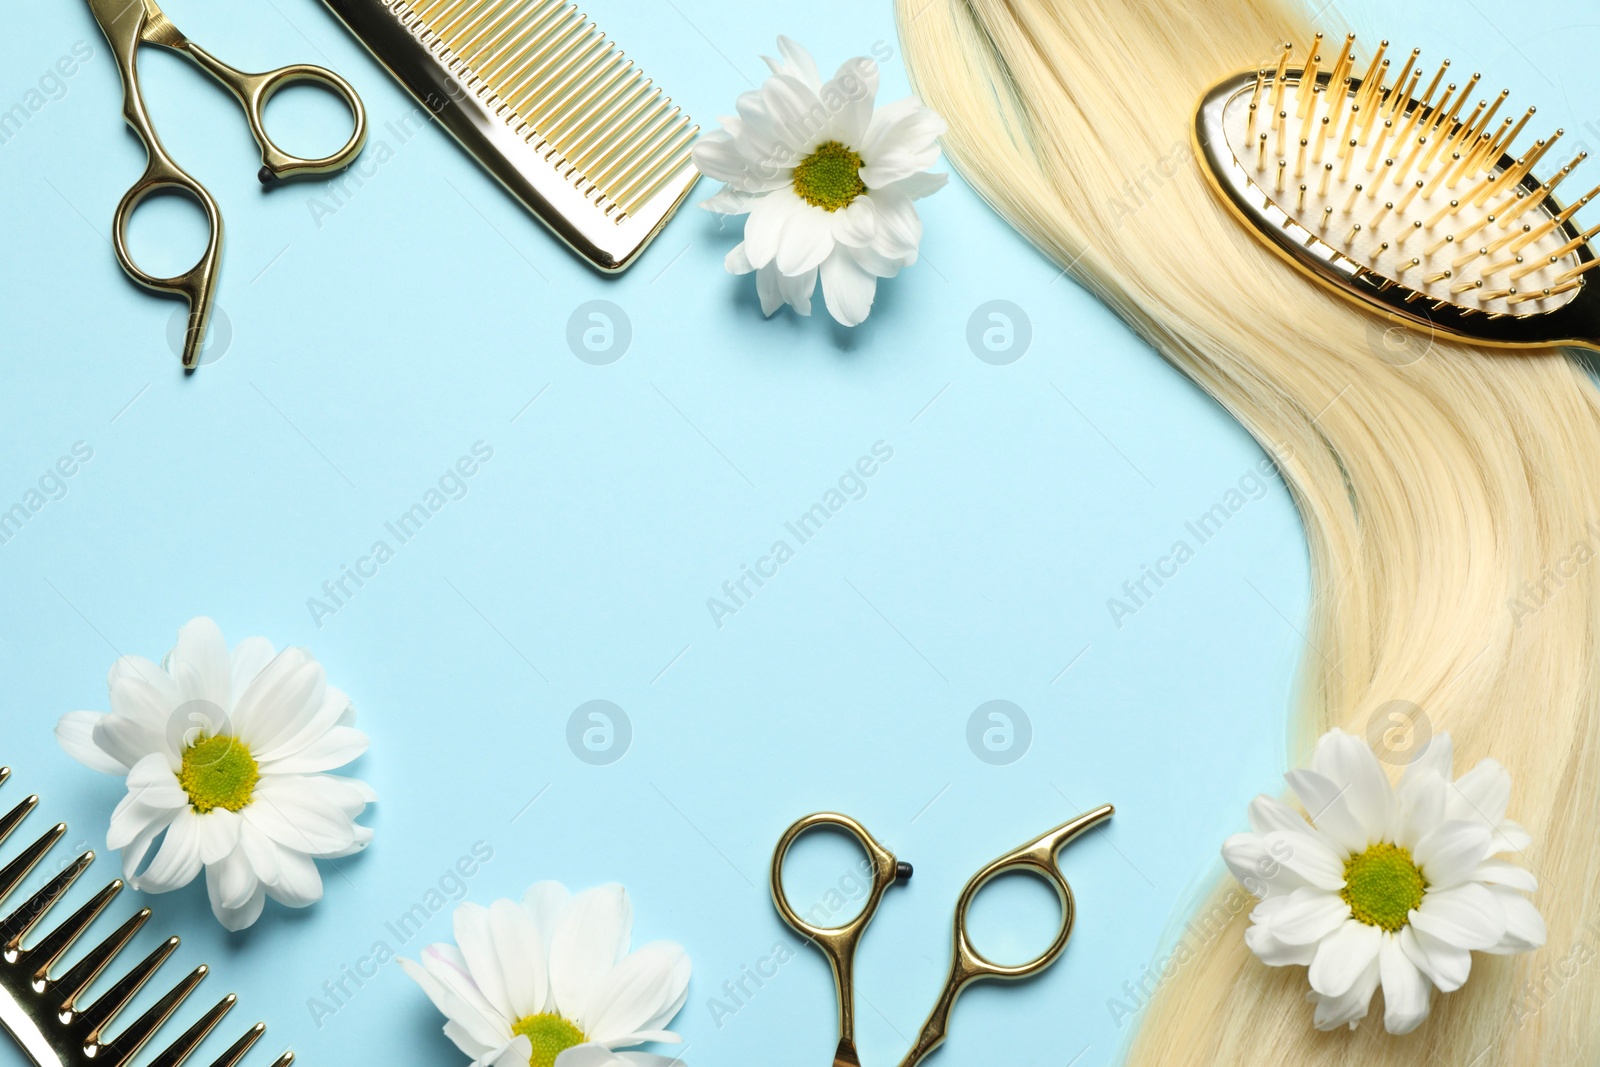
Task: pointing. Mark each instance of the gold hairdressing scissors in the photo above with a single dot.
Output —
(129, 23)
(968, 965)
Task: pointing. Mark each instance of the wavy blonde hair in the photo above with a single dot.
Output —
(1445, 490)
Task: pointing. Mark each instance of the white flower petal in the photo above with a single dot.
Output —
(546, 903)
(1509, 836)
(200, 665)
(856, 223)
(1499, 872)
(847, 289)
(728, 201)
(1525, 928)
(475, 937)
(1405, 990)
(768, 289)
(177, 861)
(1256, 868)
(230, 882)
(219, 834)
(642, 993)
(128, 736)
(524, 965)
(901, 139)
(248, 659)
(1450, 853)
(796, 61)
(1343, 957)
(298, 817)
(1269, 813)
(850, 96)
(1348, 762)
(1330, 810)
(234, 919)
(1482, 794)
(133, 819)
(298, 885)
(1274, 953)
(151, 780)
(763, 228)
(1465, 915)
(1445, 965)
(1308, 855)
(336, 747)
(1422, 801)
(1437, 757)
(1351, 1007)
(807, 240)
(517, 1054)
(166, 694)
(280, 702)
(918, 185)
(591, 936)
(898, 232)
(796, 289)
(1306, 916)
(462, 1038)
(75, 734)
(447, 984)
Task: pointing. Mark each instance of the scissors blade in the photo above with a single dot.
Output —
(845, 1055)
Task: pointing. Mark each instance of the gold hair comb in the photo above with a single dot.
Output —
(41, 1012)
(548, 105)
(1415, 204)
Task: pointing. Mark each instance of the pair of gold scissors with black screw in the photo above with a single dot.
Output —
(128, 24)
(1038, 858)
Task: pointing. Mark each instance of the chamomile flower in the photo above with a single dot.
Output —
(224, 755)
(548, 981)
(827, 181)
(1385, 887)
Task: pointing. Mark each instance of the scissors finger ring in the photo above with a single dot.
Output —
(838, 944)
(128, 24)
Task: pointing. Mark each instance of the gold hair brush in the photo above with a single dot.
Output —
(42, 1012)
(1413, 203)
(548, 105)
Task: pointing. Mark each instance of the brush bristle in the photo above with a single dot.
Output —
(555, 79)
(1416, 188)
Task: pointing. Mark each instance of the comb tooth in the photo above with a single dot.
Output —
(544, 99)
(619, 131)
(1374, 101)
(1375, 65)
(51, 946)
(13, 818)
(586, 85)
(637, 141)
(283, 1061)
(1278, 79)
(1341, 65)
(235, 1052)
(674, 166)
(528, 47)
(174, 1054)
(567, 29)
(599, 99)
(524, 31)
(19, 922)
(1305, 95)
(93, 1020)
(568, 50)
(486, 16)
(577, 152)
(72, 984)
(12, 874)
(1576, 272)
(137, 1033)
(1531, 202)
(663, 163)
(519, 16)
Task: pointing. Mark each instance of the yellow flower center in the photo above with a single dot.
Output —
(830, 177)
(1382, 885)
(218, 772)
(550, 1034)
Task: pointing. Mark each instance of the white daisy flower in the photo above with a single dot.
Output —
(827, 181)
(1385, 887)
(223, 755)
(549, 982)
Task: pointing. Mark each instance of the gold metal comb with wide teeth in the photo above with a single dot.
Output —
(1414, 203)
(41, 1011)
(548, 105)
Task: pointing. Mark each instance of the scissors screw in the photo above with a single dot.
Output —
(902, 871)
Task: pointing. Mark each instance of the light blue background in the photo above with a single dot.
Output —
(371, 351)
